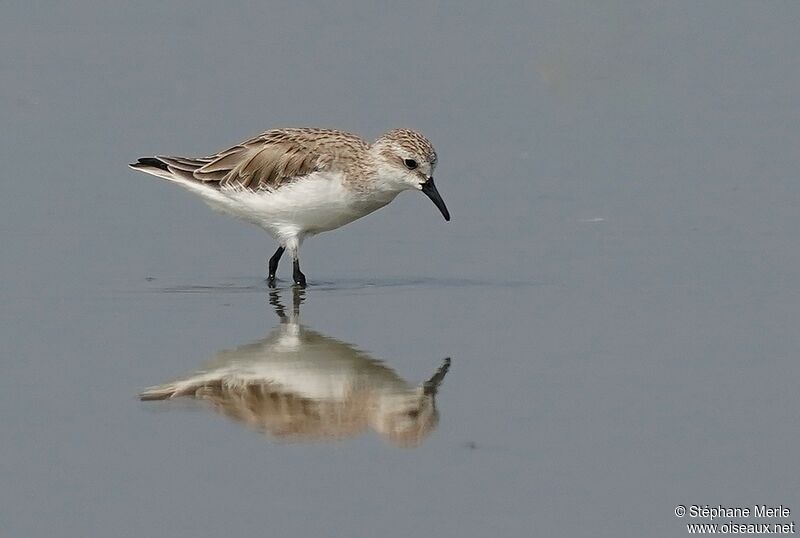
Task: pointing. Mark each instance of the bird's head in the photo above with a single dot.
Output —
(407, 161)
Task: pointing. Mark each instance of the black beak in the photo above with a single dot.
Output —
(432, 385)
(430, 191)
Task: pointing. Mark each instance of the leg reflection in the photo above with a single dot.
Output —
(298, 384)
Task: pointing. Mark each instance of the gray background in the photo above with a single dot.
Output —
(618, 288)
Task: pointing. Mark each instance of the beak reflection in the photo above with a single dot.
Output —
(299, 385)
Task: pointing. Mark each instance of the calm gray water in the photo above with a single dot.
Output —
(618, 288)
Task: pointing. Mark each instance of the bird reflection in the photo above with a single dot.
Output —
(299, 385)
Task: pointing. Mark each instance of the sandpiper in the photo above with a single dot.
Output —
(298, 182)
(300, 385)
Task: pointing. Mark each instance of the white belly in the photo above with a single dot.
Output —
(315, 204)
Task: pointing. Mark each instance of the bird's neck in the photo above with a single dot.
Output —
(387, 180)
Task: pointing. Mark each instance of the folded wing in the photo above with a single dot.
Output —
(265, 162)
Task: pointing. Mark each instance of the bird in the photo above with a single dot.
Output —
(300, 385)
(298, 182)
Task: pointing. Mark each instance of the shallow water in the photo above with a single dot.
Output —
(617, 290)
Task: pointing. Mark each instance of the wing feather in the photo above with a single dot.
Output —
(265, 162)
(275, 158)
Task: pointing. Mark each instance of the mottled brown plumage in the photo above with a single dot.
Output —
(299, 182)
(278, 156)
(409, 140)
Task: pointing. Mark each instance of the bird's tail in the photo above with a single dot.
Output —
(170, 168)
(161, 392)
(174, 389)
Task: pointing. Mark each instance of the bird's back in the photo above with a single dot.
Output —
(267, 161)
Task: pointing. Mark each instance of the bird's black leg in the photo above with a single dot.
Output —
(299, 277)
(273, 265)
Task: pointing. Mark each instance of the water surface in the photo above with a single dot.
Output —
(617, 290)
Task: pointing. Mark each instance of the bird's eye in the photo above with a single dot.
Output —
(410, 163)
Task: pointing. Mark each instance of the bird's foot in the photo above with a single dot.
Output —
(299, 277)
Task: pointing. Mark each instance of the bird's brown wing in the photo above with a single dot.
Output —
(270, 160)
(265, 162)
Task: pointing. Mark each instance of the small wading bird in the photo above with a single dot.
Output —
(297, 384)
(298, 182)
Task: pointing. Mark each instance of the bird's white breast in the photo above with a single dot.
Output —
(307, 206)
